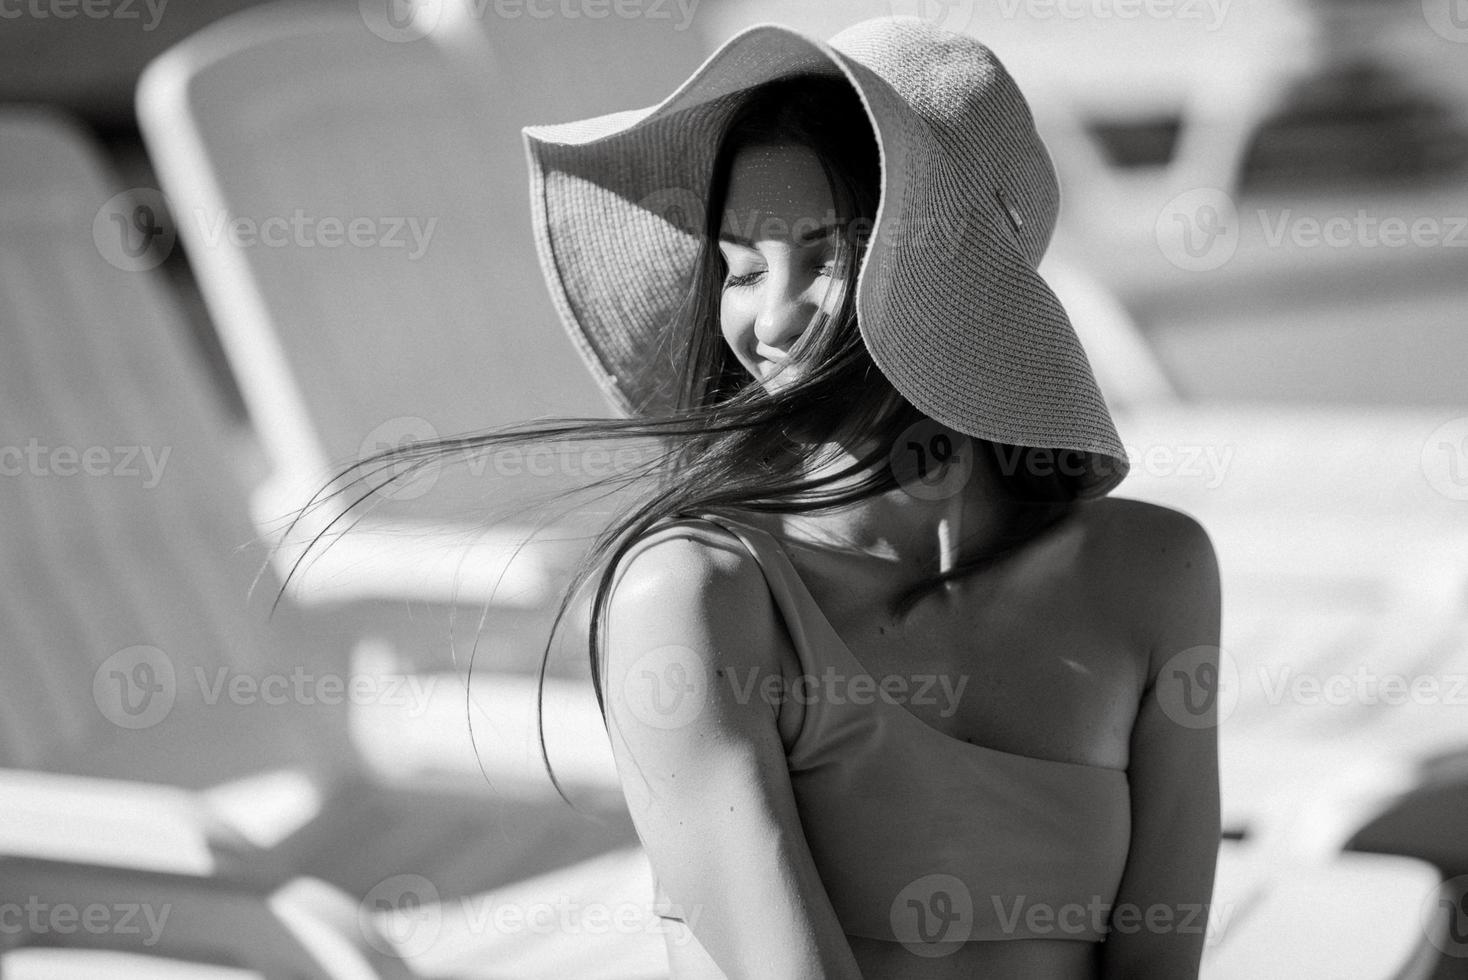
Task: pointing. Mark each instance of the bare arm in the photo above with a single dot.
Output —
(702, 763)
(1161, 910)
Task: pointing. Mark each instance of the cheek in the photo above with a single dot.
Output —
(738, 331)
(734, 323)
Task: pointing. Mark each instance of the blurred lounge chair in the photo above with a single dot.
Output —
(1342, 566)
(103, 564)
(437, 322)
(163, 742)
(1358, 915)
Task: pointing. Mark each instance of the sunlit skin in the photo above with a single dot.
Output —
(777, 242)
(1058, 645)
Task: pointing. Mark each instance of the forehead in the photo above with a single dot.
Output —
(786, 183)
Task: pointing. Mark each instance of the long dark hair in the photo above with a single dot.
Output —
(731, 444)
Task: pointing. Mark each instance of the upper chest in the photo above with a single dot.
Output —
(1029, 657)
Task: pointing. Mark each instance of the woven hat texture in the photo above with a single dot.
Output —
(949, 300)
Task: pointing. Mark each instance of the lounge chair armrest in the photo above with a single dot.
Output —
(130, 826)
(293, 933)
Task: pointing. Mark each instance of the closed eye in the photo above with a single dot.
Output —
(826, 268)
(732, 282)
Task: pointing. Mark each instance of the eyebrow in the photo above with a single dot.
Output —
(804, 238)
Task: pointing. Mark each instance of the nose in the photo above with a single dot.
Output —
(786, 308)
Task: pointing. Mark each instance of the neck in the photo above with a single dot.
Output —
(916, 534)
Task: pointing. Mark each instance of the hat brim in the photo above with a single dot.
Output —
(618, 203)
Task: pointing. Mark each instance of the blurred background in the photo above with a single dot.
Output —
(243, 244)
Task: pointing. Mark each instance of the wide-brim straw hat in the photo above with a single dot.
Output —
(948, 300)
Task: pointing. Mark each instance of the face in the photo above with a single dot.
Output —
(778, 241)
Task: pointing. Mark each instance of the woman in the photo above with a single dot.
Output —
(882, 665)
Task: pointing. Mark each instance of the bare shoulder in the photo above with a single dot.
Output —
(700, 757)
(694, 585)
(1140, 533)
(1159, 568)
(686, 564)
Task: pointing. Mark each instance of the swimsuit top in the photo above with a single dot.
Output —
(920, 837)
